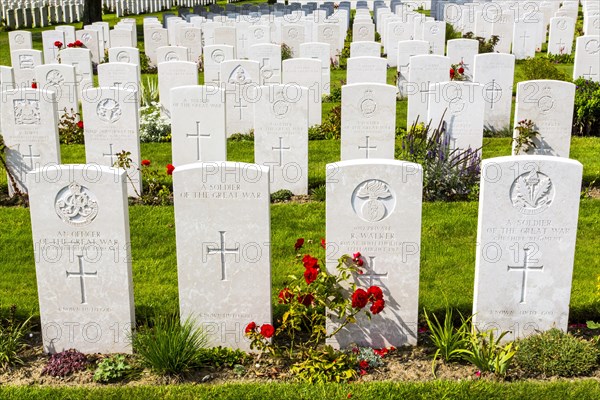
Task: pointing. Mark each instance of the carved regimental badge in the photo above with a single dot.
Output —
(367, 104)
(76, 205)
(27, 111)
(373, 200)
(239, 76)
(109, 110)
(532, 192)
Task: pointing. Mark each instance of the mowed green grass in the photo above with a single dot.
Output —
(448, 243)
(588, 389)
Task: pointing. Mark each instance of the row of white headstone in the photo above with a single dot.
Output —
(528, 214)
(18, 14)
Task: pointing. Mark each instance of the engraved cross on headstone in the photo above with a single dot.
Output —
(525, 268)
(243, 39)
(110, 154)
(371, 275)
(492, 89)
(223, 250)
(239, 106)
(524, 36)
(281, 149)
(198, 136)
(366, 147)
(589, 75)
(81, 274)
(561, 45)
(31, 156)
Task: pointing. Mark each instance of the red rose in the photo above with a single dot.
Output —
(58, 44)
(267, 330)
(364, 365)
(461, 70)
(170, 169)
(306, 299)
(375, 293)
(34, 85)
(70, 45)
(451, 73)
(360, 298)
(360, 262)
(78, 43)
(310, 275)
(145, 163)
(377, 306)
(356, 255)
(323, 244)
(285, 295)
(80, 124)
(299, 244)
(250, 327)
(381, 352)
(363, 372)
(310, 262)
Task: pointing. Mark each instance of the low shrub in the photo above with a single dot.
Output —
(319, 193)
(66, 363)
(485, 45)
(224, 357)
(586, 116)
(555, 353)
(281, 196)
(112, 369)
(330, 128)
(541, 68)
(70, 127)
(12, 339)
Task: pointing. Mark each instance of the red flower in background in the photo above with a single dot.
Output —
(310, 275)
(78, 43)
(377, 306)
(306, 299)
(364, 365)
(70, 45)
(375, 293)
(34, 85)
(299, 244)
(80, 124)
(58, 44)
(285, 295)
(452, 73)
(170, 169)
(323, 243)
(267, 330)
(360, 298)
(250, 327)
(461, 70)
(310, 262)
(145, 163)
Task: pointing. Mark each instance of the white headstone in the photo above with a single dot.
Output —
(222, 222)
(528, 212)
(60, 79)
(214, 55)
(365, 49)
(153, 39)
(496, 71)
(49, 41)
(119, 74)
(238, 78)
(368, 121)
(363, 31)
(319, 51)
(424, 70)
(462, 106)
(307, 73)
(30, 131)
(406, 50)
(587, 58)
(562, 31)
(174, 74)
(463, 52)
(20, 40)
(80, 227)
(374, 207)
(191, 38)
(112, 126)
(121, 38)
(90, 40)
(549, 104)
(81, 59)
(198, 124)
(525, 39)
(366, 70)
(281, 136)
(23, 63)
(172, 53)
(268, 55)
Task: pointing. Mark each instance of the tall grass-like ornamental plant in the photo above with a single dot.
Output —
(170, 347)
(448, 174)
(451, 343)
(12, 340)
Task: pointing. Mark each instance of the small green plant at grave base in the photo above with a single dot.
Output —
(485, 45)
(224, 357)
(300, 336)
(452, 33)
(242, 137)
(70, 128)
(555, 353)
(318, 193)
(20, 197)
(170, 347)
(586, 116)
(331, 128)
(541, 68)
(155, 191)
(145, 64)
(451, 343)
(149, 89)
(66, 363)
(335, 94)
(286, 52)
(562, 58)
(448, 174)
(12, 339)
(281, 196)
(111, 369)
(488, 354)
(527, 131)
(369, 359)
